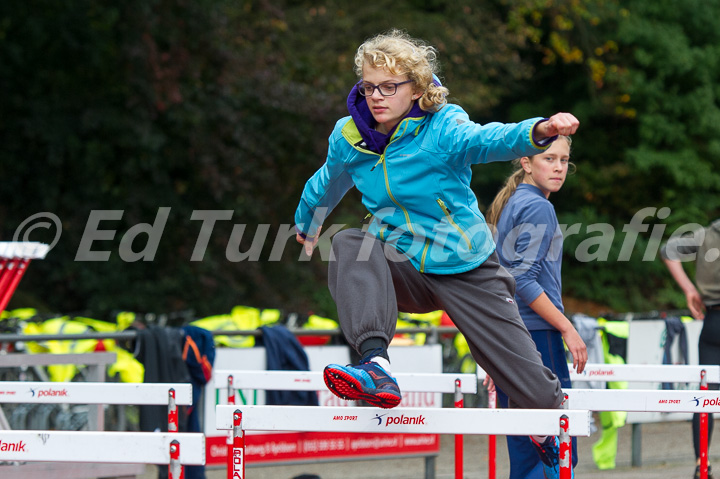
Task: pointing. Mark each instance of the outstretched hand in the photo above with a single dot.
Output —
(558, 124)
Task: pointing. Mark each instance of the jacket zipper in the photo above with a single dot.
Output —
(405, 212)
(448, 215)
(392, 197)
(424, 255)
(387, 180)
(381, 233)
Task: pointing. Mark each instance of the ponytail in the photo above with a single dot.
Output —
(501, 199)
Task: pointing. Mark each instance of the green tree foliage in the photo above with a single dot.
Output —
(640, 76)
(670, 62)
(142, 105)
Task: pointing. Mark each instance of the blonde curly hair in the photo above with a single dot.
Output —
(401, 54)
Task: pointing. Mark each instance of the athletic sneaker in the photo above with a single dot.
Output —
(549, 452)
(366, 381)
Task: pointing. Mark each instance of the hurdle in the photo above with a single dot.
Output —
(638, 373)
(152, 394)
(562, 422)
(642, 400)
(666, 373)
(458, 384)
(15, 257)
(649, 400)
(105, 447)
(492, 440)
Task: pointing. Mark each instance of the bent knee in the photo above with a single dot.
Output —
(546, 398)
(549, 399)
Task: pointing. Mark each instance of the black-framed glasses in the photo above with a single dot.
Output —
(385, 89)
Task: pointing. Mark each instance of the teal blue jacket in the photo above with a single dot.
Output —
(418, 189)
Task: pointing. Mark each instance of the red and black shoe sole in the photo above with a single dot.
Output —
(345, 386)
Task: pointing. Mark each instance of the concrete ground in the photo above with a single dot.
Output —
(667, 453)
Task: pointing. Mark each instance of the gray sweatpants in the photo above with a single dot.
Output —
(369, 293)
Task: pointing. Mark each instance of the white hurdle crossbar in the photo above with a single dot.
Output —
(313, 381)
(643, 400)
(101, 447)
(666, 373)
(541, 422)
(562, 422)
(93, 393)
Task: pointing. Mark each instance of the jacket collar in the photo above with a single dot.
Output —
(532, 189)
(365, 123)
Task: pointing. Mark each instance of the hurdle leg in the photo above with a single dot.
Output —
(20, 269)
(4, 424)
(703, 431)
(229, 440)
(492, 440)
(3, 272)
(175, 469)
(565, 449)
(238, 447)
(173, 422)
(430, 467)
(8, 270)
(458, 437)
